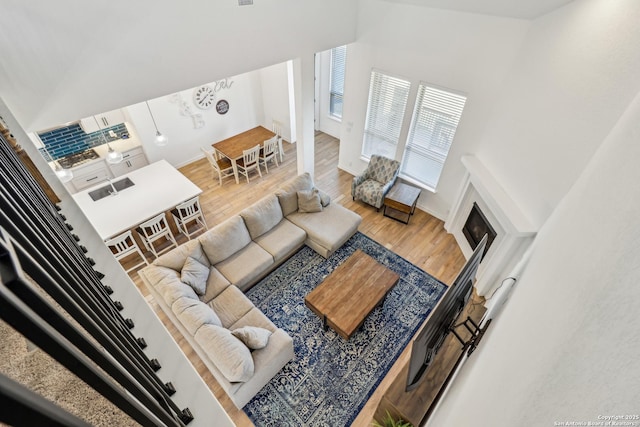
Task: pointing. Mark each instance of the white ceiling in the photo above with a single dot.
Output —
(521, 9)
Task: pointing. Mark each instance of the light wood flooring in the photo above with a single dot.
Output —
(423, 241)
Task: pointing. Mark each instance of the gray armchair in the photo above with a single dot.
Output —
(375, 182)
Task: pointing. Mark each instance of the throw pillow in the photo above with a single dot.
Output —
(252, 336)
(227, 352)
(195, 275)
(325, 199)
(309, 201)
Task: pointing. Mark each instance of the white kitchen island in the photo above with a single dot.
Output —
(157, 188)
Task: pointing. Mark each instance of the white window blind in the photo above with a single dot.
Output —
(385, 112)
(338, 63)
(435, 120)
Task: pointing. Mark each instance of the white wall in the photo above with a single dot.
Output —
(566, 346)
(576, 72)
(274, 82)
(245, 112)
(464, 52)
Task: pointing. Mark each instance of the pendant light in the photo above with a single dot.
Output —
(161, 140)
(113, 156)
(64, 175)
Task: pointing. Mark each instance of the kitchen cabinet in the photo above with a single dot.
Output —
(131, 160)
(37, 142)
(91, 174)
(102, 121)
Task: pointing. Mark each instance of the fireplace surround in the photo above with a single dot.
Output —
(495, 208)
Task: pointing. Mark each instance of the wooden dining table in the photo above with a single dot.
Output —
(233, 147)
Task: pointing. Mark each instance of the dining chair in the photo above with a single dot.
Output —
(123, 246)
(249, 162)
(276, 127)
(220, 165)
(268, 152)
(156, 235)
(189, 218)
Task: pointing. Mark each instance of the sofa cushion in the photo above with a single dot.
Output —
(160, 277)
(262, 216)
(253, 337)
(171, 288)
(309, 201)
(330, 228)
(287, 194)
(193, 314)
(225, 239)
(282, 240)
(227, 352)
(176, 258)
(195, 275)
(254, 317)
(216, 283)
(245, 265)
(288, 201)
(231, 305)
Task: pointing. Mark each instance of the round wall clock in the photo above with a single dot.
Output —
(222, 107)
(203, 97)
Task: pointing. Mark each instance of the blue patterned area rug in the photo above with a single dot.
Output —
(330, 379)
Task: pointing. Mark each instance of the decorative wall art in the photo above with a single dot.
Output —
(204, 97)
(185, 110)
(222, 106)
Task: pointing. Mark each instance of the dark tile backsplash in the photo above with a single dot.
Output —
(72, 139)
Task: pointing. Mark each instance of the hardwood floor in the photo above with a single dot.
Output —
(423, 241)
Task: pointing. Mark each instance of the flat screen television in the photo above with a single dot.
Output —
(427, 342)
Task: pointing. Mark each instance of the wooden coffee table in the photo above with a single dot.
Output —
(346, 297)
(401, 200)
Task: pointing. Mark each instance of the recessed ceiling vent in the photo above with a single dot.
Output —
(245, 2)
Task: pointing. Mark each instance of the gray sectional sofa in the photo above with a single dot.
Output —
(200, 284)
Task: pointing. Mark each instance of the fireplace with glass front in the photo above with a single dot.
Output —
(476, 227)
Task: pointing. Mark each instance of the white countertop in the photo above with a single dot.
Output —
(158, 187)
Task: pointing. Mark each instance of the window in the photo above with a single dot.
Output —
(435, 120)
(385, 112)
(338, 61)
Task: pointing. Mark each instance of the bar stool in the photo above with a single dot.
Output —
(124, 245)
(189, 218)
(156, 230)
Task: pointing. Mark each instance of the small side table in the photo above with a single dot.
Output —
(400, 201)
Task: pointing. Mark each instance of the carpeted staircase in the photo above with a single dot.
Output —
(45, 376)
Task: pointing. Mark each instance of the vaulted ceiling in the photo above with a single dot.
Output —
(59, 62)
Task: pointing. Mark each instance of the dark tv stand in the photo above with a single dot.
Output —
(416, 405)
(476, 334)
